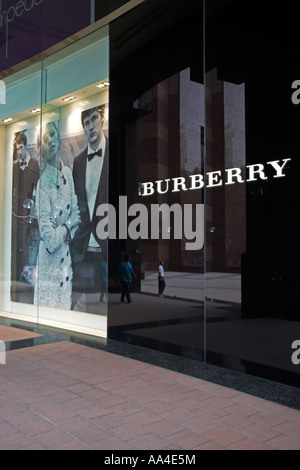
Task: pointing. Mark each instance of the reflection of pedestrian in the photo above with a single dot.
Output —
(161, 279)
(102, 268)
(126, 271)
(58, 218)
(90, 182)
(26, 173)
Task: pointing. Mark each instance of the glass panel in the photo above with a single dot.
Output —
(105, 7)
(19, 121)
(60, 263)
(69, 288)
(225, 208)
(157, 142)
(29, 27)
(252, 201)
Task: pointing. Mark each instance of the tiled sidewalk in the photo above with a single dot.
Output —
(68, 396)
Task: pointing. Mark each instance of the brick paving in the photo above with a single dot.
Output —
(66, 396)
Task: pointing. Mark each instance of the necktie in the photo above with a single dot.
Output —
(91, 155)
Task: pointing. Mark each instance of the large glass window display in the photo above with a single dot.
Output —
(55, 144)
(195, 125)
(157, 135)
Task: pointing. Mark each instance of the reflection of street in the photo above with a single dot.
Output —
(176, 326)
(25, 296)
(219, 286)
(24, 291)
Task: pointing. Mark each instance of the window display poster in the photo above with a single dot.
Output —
(59, 179)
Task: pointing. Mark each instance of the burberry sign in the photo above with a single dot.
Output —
(216, 178)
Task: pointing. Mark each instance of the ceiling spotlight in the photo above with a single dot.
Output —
(7, 119)
(102, 84)
(69, 98)
(36, 110)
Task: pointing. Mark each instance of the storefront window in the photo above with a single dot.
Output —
(193, 126)
(56, 147)
(251, 315)
(20, 176)
(157, 142)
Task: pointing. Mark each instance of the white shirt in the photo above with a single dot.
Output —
(92, 178)
(24, 163)
(161, 270)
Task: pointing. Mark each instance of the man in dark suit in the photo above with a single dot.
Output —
(90, 181)
(25, 236)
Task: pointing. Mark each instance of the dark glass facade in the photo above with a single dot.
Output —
(201, 108)
(202, 114)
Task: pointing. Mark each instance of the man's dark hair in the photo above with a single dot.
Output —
(88, 112)
(21, 139)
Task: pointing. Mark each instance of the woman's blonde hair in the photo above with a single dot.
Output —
(44, 129)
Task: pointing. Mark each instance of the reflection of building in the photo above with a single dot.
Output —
(225, 148)
(182, 102)
(171, 144)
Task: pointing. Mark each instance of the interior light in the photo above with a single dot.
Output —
(7, 119)
(36, 110)
(69, 98)
(102, 84)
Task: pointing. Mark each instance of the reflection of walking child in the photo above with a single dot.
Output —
(125, 269)
(161, 279)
